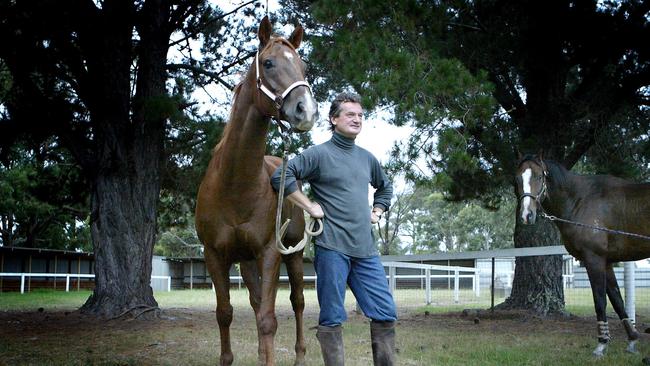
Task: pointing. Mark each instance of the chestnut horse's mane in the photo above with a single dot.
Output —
(226, 132)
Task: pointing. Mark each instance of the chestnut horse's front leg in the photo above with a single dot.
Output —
(267, 323)
(596, 269)
(250, 271)
(219, 272)
(295, 271)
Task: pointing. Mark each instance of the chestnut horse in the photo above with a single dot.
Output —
(235, 210)
(602, 220)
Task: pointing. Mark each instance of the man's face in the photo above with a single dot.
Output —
(349, 121)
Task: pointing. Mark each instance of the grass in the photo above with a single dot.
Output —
(47, 299)
(188, 335)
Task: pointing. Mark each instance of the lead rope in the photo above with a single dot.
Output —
(555, 218)
(280, 231)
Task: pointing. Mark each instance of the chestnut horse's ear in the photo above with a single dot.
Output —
(264, 32)
(540, 154)
(296, 36)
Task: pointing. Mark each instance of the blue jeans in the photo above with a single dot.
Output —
(366, 278)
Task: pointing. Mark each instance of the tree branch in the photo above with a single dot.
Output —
(198, 70)
(210, 21)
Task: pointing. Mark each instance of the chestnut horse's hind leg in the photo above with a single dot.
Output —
(219, 271)
(596, 269)
(267, 323)
(295, 271)
(251, 275)
(616, 299)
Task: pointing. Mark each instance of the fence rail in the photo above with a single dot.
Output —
(67, 276)
(427, 268)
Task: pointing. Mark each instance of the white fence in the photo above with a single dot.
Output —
(67, 276)
(454, 274)
(427, 277)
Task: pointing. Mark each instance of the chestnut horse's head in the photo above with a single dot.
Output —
(531, 187)
(280, 78)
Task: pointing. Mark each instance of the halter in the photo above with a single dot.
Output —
(542, 192)
(278, 100)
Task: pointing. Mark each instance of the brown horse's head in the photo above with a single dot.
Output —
(531, 187)
(280, 78)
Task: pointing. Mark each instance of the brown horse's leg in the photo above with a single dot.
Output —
(251, 274)
(266, 320)
(219, 269)
(295, 271)
(616, 299)
(596, 269)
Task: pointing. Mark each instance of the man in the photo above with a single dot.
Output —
(338, 172)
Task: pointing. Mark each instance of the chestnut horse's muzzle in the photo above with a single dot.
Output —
(300, 110)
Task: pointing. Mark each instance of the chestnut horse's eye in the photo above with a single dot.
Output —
(268, 64)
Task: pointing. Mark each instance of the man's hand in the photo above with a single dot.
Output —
(315, 211)
(375, 215)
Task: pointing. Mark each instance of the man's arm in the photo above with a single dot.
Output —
(384, 189)
(312, 208)
(301, 167)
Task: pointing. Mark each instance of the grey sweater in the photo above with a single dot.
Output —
(338, 172)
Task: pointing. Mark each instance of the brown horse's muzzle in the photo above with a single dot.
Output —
(528, 211)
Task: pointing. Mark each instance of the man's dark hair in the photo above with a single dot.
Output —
(335, 108)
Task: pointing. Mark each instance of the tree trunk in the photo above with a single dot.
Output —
(123, 215)
(123, 232)
(130, 135)
(7, 230)
(537, 283)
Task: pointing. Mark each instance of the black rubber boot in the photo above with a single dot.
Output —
(331, 345)
(382, 335)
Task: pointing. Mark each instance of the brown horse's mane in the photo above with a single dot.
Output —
(237, 89)
(557, 172)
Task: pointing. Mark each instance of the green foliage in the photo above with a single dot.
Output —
(623, 149)
(435, 224)
(45, 200)
(179, 242)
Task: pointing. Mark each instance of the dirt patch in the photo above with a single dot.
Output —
(190, 337)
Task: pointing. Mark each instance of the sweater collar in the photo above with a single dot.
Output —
(342, 141)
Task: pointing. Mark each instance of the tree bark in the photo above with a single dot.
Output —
(127, 184)
(537, 283)
(123, 232)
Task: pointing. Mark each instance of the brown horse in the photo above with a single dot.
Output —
(235, 210)
(587, 210)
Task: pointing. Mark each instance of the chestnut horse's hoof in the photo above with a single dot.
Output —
(226, 360)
